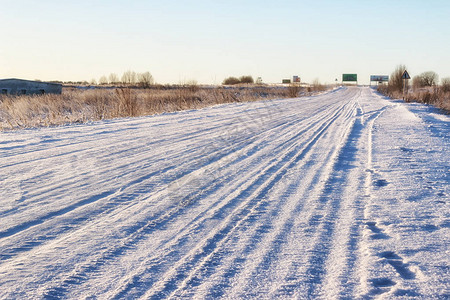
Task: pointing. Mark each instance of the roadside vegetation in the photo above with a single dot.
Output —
(423, 88)
(241, 80)
(81, 105)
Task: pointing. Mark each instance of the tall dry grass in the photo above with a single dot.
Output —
(85, 105)
(436, 96)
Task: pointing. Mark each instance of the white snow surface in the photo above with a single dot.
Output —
(340, 195)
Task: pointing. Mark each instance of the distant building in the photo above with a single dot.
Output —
(27, 87)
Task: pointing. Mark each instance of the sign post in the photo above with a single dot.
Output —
(405, 78)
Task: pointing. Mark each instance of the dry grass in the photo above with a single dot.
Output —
(436, 96)
(85, 105)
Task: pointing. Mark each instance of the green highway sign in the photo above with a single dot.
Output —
(349, 77)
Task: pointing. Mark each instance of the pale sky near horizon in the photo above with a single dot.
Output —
(207, 41)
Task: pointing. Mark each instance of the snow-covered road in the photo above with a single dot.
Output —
(342, 195)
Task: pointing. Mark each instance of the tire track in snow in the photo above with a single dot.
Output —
(335, 267)
(89, 138)
(199, 164)
(271, 233)
(344, 254)
(281, 242)
(106, 196)
(99, 260)
(28, 245)
(77, 205)
(247, 216)
(205, 252)
(293, 282)
(132, 162)
(133, 281)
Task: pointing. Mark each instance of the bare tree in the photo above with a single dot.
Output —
(103, 80)
(125, 77)
(417, 82)
(445, 84)
(145, 79)
(129, 77)
(429, 78)
(317, 86)
(396, 81)
(113, 78)
(133, 77)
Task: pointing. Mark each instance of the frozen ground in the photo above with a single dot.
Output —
(342, 195)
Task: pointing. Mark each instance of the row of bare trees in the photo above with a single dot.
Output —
(428, 79)
(423, 80)
(144, 80)
(425, 88)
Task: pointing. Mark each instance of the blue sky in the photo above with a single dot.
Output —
(207, 41)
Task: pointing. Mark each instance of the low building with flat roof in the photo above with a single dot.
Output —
(15, 86)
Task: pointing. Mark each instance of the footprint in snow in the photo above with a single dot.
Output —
(397, 263)
(380, 183)
(381, 285)
(441, 194)
(407, 150)
(382, 282)
(378, 233)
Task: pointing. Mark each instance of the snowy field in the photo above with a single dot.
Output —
(342, 195)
